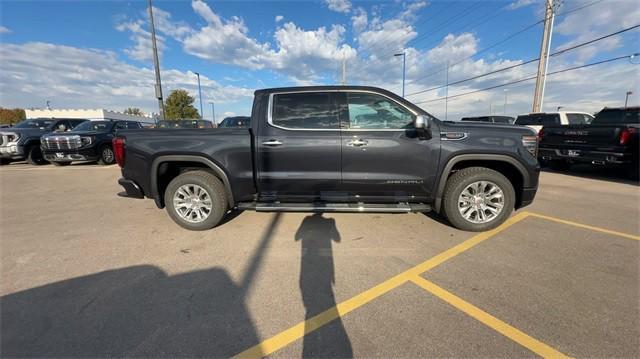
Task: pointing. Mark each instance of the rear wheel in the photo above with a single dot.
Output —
(196, 200)
(34, 156)
(106, 156)
(478, 199)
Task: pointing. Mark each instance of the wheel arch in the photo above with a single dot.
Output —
(182, 163)
(506, 165)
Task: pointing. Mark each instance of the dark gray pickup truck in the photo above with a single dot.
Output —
(334, 149)
(611, 139)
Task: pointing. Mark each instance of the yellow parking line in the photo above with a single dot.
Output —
(297, 331)
(586, 226)
(487, 319)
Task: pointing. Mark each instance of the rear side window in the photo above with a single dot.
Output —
(539, 119)
(371, 111)
(631, 116)
(306, 110)
(576, 119)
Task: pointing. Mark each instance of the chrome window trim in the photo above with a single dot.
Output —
(270, 112)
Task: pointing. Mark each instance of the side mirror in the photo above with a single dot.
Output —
(422, 123)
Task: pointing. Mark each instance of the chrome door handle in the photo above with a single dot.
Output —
(272, 143)
(358, 143)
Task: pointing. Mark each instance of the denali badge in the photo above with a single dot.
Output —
(576, 133)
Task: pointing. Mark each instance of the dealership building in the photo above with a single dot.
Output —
(89, 114)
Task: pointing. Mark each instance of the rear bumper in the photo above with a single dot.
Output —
(131, 188)
(585, 156)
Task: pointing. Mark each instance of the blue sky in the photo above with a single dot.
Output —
(96, 53)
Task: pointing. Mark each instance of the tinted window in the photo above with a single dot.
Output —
(502, 119)
(575, 119)
(476, 119)
(539, 119)
(310, 110)
(370, 111)
(133, 125)
(121, 125)
(631, 115)
(94, 126)
(42, 124)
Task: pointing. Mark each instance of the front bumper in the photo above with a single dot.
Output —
(585, 156)
(131, 188)
(88, 154)
(12, 152)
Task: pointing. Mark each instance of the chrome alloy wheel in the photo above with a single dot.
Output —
(107, 155)
(481, 202)
(192, 203)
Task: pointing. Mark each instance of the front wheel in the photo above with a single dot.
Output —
(196, 200)
(478, 199)
(34, 156)
(106, 156)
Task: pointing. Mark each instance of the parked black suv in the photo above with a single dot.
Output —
(336, 149)
(89, 141)
(22, 141)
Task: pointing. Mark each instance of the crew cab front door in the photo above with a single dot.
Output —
(299, 147)
(384, 159)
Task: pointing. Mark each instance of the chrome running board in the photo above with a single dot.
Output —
(334, 207)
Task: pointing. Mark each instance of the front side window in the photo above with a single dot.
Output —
(371, 111)
(305, 110)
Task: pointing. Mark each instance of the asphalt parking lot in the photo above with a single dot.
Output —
(85, 273)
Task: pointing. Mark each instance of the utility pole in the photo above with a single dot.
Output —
(200, 95)
(213, 113)
(404, 67)
(545, 48)
(344, 70)
(156, 63)
(446, 94)
(626, 98)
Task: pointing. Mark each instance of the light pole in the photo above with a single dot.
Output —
(404, 67)
(505, 101)
(213, 113)
(156, 63)
(200, 94)
(626, 98)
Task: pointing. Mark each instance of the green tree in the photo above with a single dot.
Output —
(179, 105)
(134, 111)
(11, 116)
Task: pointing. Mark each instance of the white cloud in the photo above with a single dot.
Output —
(343, 6)
(452, 48)
(4, 30)
(141, 38)
(91, 78)
(279, 18)
(359, 20)
(520, 3)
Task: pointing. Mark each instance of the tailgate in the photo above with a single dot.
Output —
(581, 136)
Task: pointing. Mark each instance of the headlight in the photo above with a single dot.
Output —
(87, 140)
(13, 137)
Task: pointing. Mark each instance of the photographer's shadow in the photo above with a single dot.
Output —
(317, 276)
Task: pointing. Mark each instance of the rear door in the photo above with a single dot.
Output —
(299, 147)
(383, 158)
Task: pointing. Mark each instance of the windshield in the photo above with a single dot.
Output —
(93, 126)
(41, 124)
(619, 116)
(539, 119)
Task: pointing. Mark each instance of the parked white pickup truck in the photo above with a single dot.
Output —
(536, 121)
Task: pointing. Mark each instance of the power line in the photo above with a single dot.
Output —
(531, 78)
(527, 62)
(498, 43)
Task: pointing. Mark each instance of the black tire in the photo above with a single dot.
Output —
(463, 178)
(559, 165)
(4, 161)
(34, 156)
(213, 188)
(107, 157)
(55, 163)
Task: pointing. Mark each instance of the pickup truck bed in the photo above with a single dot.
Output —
(333, 149)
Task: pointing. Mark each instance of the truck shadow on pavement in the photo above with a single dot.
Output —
(617, 175)
(141, 311)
